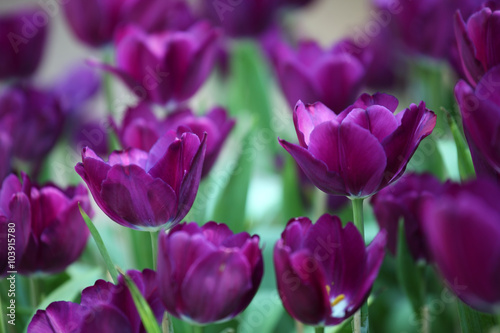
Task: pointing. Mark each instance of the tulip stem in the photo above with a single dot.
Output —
(34, 292)
(360, 320)
(106, 80)
(154, 247)
(2, 322)
(425, 319)
(319, 329)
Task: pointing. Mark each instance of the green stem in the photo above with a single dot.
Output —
(154, 246)
(34, 292)
(360, 320)
(320, 203)
(100, 245)
(319, 329)
(472, 321)
(426, 328)
(197, 329)
(2, 314)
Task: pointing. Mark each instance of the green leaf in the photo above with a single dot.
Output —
(465, 166)
(472, 321)
(145, 312)
(100, 245)
(409, 274)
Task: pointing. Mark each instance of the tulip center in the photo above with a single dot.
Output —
(338, 303)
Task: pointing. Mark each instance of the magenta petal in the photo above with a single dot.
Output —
(138, 198)
(295, 232)
(469, 58)
(214, 287)
(492, 42)
(303, 295)
(106, 318)
(217, 233)
(324, 144)
(297, 84)
(316, 170)
(308, 116)
(362, 159)
(58, 317)
(366, 100)
(128, 157)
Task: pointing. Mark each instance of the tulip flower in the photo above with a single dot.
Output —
(403, 200)
(5, 154)
(165, 67)
(34, 119)
(104, 307)
(22, 43)
(312, 74)
(141, 129)
(95, 22)
(462, 230)
(208, 274)
(363, 149)
(476, 42)
(324, 272)
(50, 232)
(480, 108)
(142, 190)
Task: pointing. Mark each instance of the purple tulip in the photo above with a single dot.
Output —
(165, 67)
(22, 41)
(462, 229)
(403, 200)
(208, 274)
(95, 22)
(363, 149)
(33, 118)
(477, 43)
(312, 74)
(141, 129)
(104, 307)
(241, 18)
(50, 232)
(143, 190)
(5, 154)
(324, 272)
(480, 108)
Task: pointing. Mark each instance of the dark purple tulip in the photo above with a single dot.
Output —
(324, 272)
(165, 67)
(95, 22)
(141, 129)
(5, 154)
(22, 41)
(208, 274)
(480, 108)
(363, 149)
(104, 307)
(312, 74)
(403, 200)
(462, 229)
(51, 231)
(143, 190)
(477, 42)
(241, 18)
(33, 118)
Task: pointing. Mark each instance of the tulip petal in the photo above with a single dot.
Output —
(377, 119)
(316, 170)
(215, 286)
(217, 233)
(492, 42)
(106, 318)
(297, 84)
(295, 232)
(304, 295)
(366, 100)
(362, 159)
(324, 144)
(58, 317)
(128, 157)
(138, 198)
(307, 117)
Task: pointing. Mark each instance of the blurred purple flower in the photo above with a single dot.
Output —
(480, 108)
(477, 42)
(141, 129)
(165, 67)
(363, 149)
(208, 274)
(104, 307)
(22, 43)
(403, 200)
(324, 272)
(143, 190)
(33, 118)
(462, 232)
(50, 232)
(311, 74)
(5, 154)
(95, 22)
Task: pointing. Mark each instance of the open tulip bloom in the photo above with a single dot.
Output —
(142, 190)
(324, 272)
(363, 149)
